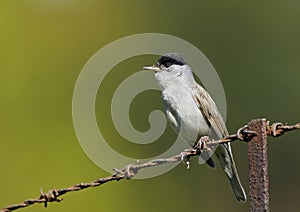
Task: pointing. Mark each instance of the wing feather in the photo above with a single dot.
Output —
(209, 110)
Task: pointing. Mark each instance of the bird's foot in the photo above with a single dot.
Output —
(201, 146)
(184, 156)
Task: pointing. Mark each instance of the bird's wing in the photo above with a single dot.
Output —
(223, 152)
(210, 111)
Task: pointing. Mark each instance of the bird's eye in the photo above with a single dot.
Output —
(167, 65)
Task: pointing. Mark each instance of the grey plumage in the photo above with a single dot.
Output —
(193, 113)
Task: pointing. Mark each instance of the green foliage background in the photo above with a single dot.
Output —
(254, 47)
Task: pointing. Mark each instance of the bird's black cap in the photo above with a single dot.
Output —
(170, 59)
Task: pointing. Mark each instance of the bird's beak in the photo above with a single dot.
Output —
(152, 68)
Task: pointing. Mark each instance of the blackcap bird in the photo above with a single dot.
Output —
(193, 113)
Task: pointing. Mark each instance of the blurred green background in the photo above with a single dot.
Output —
(44, 45)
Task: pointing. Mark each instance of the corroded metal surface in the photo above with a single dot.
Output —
(258, 167)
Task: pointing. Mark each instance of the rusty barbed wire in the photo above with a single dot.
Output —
(278, 129)
(203, 145)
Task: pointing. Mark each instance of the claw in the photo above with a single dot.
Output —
(188, 166)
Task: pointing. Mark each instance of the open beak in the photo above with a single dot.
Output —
(151, 68)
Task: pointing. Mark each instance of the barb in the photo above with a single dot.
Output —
(203, 145)
(278, 129)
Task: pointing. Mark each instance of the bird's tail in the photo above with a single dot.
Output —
(225, 157)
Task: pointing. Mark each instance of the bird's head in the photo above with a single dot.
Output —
(171, 68)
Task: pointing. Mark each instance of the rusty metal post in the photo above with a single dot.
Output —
(258, 167)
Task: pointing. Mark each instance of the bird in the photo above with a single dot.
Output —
(192, 113)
